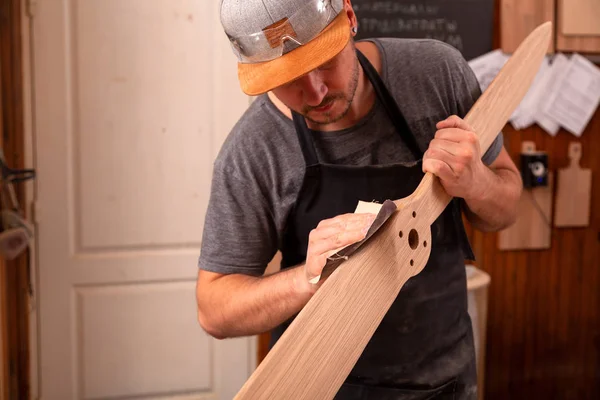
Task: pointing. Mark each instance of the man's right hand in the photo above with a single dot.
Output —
(232, 305)
(329, 237)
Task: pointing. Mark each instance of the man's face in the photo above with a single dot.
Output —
(324, 95)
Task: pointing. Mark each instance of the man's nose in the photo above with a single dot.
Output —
(313, 88)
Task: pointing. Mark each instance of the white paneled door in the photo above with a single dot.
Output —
(131, 102)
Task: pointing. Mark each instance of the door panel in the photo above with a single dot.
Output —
(145, 115)
(132, 100)
(124, 351)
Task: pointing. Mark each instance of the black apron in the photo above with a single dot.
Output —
(423, 347)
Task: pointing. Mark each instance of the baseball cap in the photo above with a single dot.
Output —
(277, 41)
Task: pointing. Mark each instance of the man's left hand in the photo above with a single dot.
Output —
(454, 157)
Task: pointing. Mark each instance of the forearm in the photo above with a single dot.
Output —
(240, 305)
(495, 207)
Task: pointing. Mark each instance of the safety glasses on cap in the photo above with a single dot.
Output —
(284, 35)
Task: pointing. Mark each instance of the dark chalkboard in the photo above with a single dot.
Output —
(465, 24)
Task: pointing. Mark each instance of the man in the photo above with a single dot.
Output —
(336, 122)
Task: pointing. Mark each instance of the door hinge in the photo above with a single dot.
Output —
(30, 7)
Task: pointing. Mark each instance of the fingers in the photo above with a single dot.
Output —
(444, 146)
(455, 129)
(332, 235)
(344, 219)
(457, 155)
(453, 151)
(441, 159)
(336, 240)
(454, 121)
(457, 135)
(439, 168)
(454, 156)
(348, 222)
(316, 265)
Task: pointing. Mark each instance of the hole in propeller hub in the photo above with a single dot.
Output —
(413, 239)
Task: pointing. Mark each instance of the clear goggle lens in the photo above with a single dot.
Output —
(285, 35)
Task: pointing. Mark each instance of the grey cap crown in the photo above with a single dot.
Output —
(245, 17)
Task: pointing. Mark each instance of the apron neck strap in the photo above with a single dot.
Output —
(390, 105)
(386, 99)
(304, 137)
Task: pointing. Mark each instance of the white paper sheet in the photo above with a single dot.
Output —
(576, 96)
(487, 66)
(552, 80)
(524, 116)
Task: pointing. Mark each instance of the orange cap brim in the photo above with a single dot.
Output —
(259, 78)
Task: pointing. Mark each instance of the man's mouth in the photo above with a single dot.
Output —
(324, 108)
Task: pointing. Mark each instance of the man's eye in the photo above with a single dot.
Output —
(327, 66)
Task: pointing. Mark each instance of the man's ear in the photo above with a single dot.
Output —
(351, 15)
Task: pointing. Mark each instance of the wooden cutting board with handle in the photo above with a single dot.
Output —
(318, 350)
(533, 226)
(574, 192)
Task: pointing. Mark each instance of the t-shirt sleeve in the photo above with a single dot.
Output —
(467, 91)
(239, 235)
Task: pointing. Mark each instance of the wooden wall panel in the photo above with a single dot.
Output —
(4, 363)
(16, 271)
(543, 333)
(4, 360)
(519, 17)
(544, 305)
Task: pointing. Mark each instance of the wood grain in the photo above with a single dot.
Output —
(519, 17)
(573, 194)
(17, 271)
(543, 338)
(4, 361)
(581, 43)
(580, 17)
(303, 367)
(477, 286)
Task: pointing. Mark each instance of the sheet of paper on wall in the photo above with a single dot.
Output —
(487, 66)
(577, 95)
(524, 116)
(552, 80)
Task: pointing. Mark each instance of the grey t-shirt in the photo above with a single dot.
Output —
(260, 168)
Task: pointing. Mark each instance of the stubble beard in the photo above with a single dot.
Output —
(328, 118)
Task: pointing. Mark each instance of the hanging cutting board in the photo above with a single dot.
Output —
(532, 229)
(580, 17)
(574, 191)
(576, 16)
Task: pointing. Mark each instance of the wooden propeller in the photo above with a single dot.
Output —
(319, 349)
